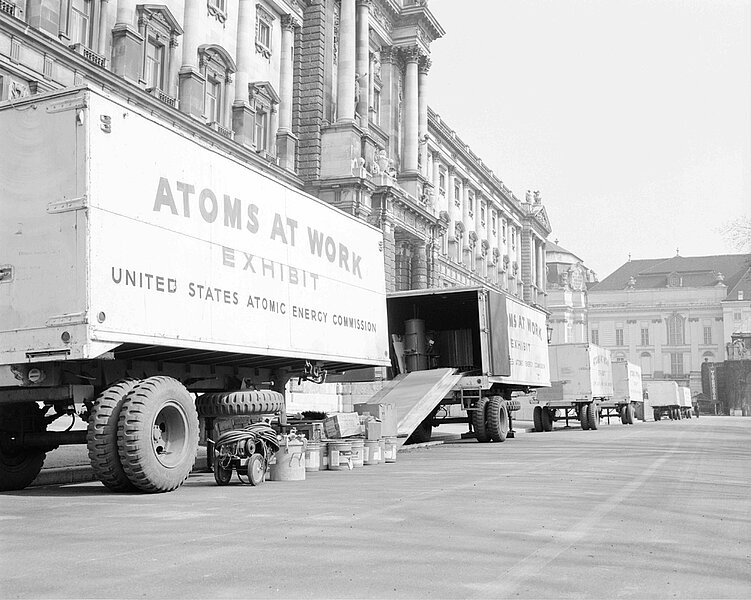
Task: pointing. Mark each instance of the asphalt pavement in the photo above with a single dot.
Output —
(653, 510)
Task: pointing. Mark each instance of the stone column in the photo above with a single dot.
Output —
(363, 61)
(192, 93)
(174, 67)
(419, 266)
(436, 176)
(126, 42)
(388, 101)
(422, 103)
(286, 143)
(102, 31)
(242, 115)
(345, 92)
(411, 110)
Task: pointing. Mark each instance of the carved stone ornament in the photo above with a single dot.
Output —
(472, 238)
(515, 267)
(496, 255)
(444, 216)
(459, 229)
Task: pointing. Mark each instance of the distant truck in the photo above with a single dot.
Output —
(469, 348)
(581, 384)
(669, 400)
(627, 392)
(139, 267)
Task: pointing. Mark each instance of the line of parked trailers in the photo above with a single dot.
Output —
(196, 290)
(587, 386)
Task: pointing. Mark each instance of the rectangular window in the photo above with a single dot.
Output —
(645, 336)
(707, 335)
(442, 183)
(80, 22)
(377, 106)
(470, 203)
(264, 34)
(595, 337)
(457, 199)
(619, 337)
(676, 363)
(494, 222)
(214, 100)
(736, 316)
(261, 130)
(154, 64)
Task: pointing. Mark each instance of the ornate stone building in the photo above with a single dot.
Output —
(330, 96)
(568, 282)
(669, 315)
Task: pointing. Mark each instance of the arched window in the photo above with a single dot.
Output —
(645, 360)
(619, 357)
(217, 67)
(708, 356)
(675, 330)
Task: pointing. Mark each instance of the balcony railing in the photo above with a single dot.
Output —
(88, 54)
(9, 8)
(166, 98)
(228, 133)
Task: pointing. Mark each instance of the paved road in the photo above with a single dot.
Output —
(654, 510)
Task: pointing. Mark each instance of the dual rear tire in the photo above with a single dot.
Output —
(490, 419)
(143, 435)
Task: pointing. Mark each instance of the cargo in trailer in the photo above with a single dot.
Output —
(141, 266)
(473, 348)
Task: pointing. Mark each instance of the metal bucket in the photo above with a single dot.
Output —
(289, 463)
(340, 455)
(312, 457)
(358, 450)
(372, 454)
(389, 454)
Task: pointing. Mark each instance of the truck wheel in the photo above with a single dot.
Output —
(19, 466)
(631, 414)
(537, 418)
(245, 402)
(584, 417)
(101, 436)
(157, 434)
(547, 419)
(497, 422)
(424, 431)
(624, 415)
(593, 415)
(479, 420)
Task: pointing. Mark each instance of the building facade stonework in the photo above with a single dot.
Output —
(330, 96)
(669, 315)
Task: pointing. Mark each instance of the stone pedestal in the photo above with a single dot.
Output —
(127, 56)
(191, 92)
(340, 150)
(286, 149)
(243, 123)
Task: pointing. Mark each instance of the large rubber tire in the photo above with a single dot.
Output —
(101, 436)
(624, 415)
(547, 419)
(630, 414)
(479, 420)
(537, 418)
(245, 402)
(584, 416)
(593, 416)
(657, 414)
(157, 434)
(497, 419)
(19, 466)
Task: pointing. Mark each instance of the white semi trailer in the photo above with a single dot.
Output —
(581, 383)
(139, 267)
(468, 348)
(669, 400)
(627, 392)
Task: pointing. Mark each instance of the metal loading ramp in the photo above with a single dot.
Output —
(415, 395)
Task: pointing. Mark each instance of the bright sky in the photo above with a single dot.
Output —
(632, 117)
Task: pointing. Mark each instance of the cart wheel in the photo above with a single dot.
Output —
(256, 469)
(479, 420)
(221, 474)
(593, 415)
(547, 419)
(537, 418)
(584, 416)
